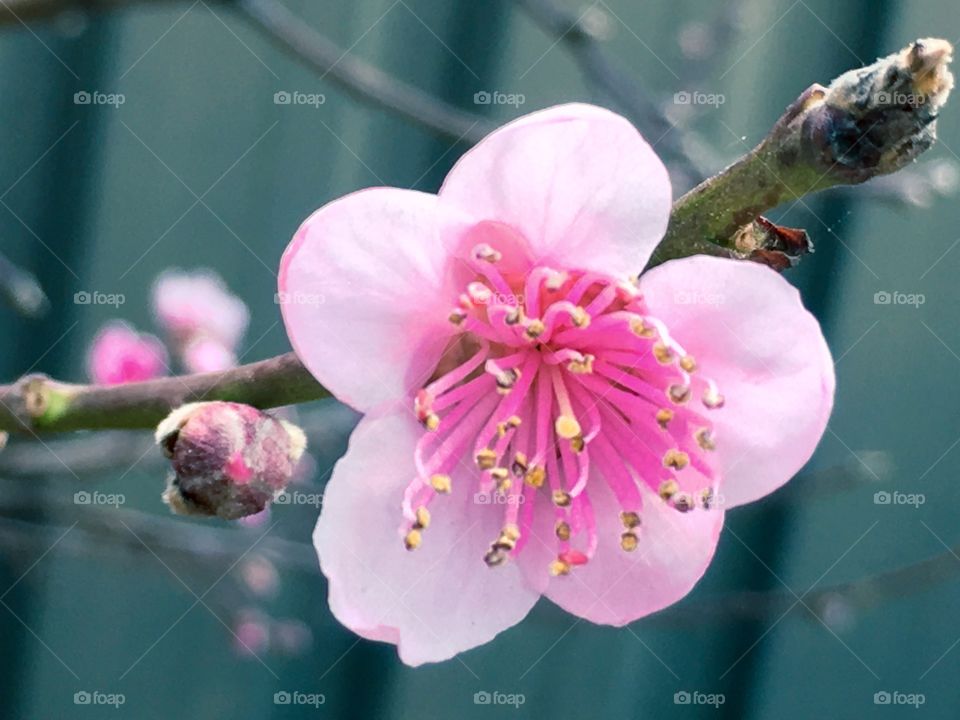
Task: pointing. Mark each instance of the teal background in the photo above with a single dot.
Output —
(103, 199)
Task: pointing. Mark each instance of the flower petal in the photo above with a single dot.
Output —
(435, 601)
(747, 329)
(362, 287)
(617, 587)
(578, 181)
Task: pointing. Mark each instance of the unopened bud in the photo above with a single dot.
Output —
(229, 460)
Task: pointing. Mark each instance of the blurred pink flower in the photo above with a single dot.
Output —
(118, 354)
(537, 423)
(204, 320)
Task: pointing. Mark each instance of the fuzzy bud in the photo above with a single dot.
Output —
(229, 460)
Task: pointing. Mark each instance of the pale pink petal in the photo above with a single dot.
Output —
(616, 587)
(747, 328)
(578, 181)
(365, 294)
(433, 602)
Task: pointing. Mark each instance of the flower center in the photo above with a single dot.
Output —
(568, 381)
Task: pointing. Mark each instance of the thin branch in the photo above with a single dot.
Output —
(357, 77)
(36, 403)
(621, 87)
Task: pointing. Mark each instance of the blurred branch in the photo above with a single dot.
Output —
(357, 77)
(36, 403)
(621, 87)
(317, 51)
(870, 122)
(21, 290)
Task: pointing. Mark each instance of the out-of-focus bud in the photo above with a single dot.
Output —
(229, 460)
(205, 354)
(196, 304)
(118, 354)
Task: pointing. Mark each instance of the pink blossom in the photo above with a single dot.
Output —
(118, 354)
(536, 423)
(202, 317)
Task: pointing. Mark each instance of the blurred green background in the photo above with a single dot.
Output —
(795, 618)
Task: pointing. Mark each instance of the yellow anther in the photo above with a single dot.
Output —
(519, 466)
(555, 281)
(511, 532)
(630, 519)
(628, 541)
(413, 539)
(441, 483)
(562, 530)
(688, 364)
(676, 459)
(514, 421)
(535, 476)
(486, 459)
(705, 439)
(494, 557)
(431, 422)
(423, 518)
(514, 316)
(559, 567)
(577, 444)
(679, 394)
(457, 317)
(639, 328)
(662, 353)
(668, 488)
(506, 380)
(479, 293)
(582, 367)
(535, 329)
(580, 317)
(561, 498)
(486, 253)
(712, 399)
(706, 498)
(683, 502)
(664, 416)
(567, 427)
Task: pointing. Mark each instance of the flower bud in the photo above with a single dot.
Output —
(229, 460)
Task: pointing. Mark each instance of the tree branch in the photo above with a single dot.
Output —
(36, 403)
(870, 122)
